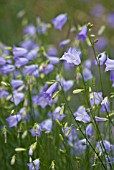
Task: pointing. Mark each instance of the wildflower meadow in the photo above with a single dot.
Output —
(57, 97)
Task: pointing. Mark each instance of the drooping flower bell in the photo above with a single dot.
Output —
(19, 52)
(101, 58)
(13, 120)
(45, 98)
(8, 68)
(46, 125)
(17, 98)
(35, 165)
(107, 146)
(56, 114)
(16, 83)
(96, 98)
(36, 130)
(109, 65)
(59, 21)
(72, 56)
(64, 42)
(30, 29)
(82, 115)
(83, 34)
(89, 130)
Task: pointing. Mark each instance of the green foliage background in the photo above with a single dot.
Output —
(78, 11)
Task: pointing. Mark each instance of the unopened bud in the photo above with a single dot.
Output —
(89, 25)
(92, 35)
(62, 110)
(61, 137)
(58, 122)
(96, 40)
(30, 159)
(53, 165)
(24, 134)
(66, 124)
(13, 160)
(63, 151)
(32, 148)
(20, 149)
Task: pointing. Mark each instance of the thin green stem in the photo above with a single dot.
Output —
(98, 63)
(81, 129)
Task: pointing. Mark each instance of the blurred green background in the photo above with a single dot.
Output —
(79, 12)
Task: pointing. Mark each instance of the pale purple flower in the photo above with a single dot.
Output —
(36, 73)
(13, 120)
(56, 114)
(36, 130)
(97, 10)
(100, 119)
(51, 89)
(4, 93)
(16, 83)
(41, 26)
(66, 131)
(101, 58)
(105, 105)
(24, 114)
(32, 54)
(52, 51)
(106, 144)
(96, 98)
(44, 88)
(89, 130)
(30, 29)
(82, 35)
(46, 68)
(109, 65)
(17, 98)
(19, 52)
(87, 74)
(81, 115)
(68, 66)
(112, 77)
(64, 42)
(29, 44)
(72, 136)
(42, 29)
(6, 69)
(21, 62)
(70, 133)
(53, 60)
(87, 64)
(30, 70)
(46, 125)
(35, 165)
(110, 20)
(101, 44)
(66, 84)
(2, 61)
(3, 51)
(110, 160)
(81, 145)
(59, 21)
(45, 98)
(72, 56)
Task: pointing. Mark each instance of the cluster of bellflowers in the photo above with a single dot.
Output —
(46, 87)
